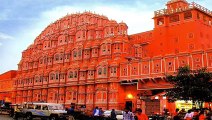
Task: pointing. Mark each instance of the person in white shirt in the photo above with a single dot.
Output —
(188, 115)
(96, 113)
(127, 115)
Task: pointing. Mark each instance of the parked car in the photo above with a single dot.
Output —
(52, 111)
(119, 114)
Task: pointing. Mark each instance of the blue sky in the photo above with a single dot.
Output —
(22, 20)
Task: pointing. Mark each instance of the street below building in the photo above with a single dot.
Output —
(7, 117)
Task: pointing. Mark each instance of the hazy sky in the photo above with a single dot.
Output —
(22, 20)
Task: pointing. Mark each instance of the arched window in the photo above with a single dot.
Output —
(86, 53)
(37, 79)
(174, 18)
(100, 71)
(82, 74)
(160, 21)
(45, 79)
(117, 47)
(90, 73)
(104, 70)
(61, 40)
(98, 34)
(134, 70)
(80, 53)
(67, 56)
(57, 76)
(62, 75)
(70, 75)
(75, 74)
(103, 48)
(45, 60)
(78, 35)
(94, 52)
(56, 57)
(187, 15)
(113, 70)
(49, 59)
(74, 54)
(52, 76)
(41, 79)
(61, 56)
(124, 71)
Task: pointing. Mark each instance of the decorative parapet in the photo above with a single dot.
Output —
(192, 5)
(173, 1)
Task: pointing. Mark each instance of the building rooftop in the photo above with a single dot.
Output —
(190, 6)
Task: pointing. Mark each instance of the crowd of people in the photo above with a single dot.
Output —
(193, 114)
(127, 114)
(97, 114)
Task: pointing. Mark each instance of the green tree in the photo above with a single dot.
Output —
(193, 85)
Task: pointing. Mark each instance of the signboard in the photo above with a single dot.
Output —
(187, 105)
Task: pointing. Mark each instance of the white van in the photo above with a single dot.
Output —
(52, 111)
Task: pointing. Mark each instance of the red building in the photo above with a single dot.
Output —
(6, 85)
(87, 59)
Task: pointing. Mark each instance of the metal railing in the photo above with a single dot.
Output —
(192, 5)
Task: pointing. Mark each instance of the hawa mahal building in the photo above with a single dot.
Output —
(87, 59)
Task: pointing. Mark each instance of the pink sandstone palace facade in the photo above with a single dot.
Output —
(87, 59)
(6, 85)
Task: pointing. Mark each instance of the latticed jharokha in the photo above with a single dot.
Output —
(87, 59)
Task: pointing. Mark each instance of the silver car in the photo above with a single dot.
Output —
(119, 114)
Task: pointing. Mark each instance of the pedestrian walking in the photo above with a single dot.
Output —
(188, 115)
(127, 115)
(113, 115)
(202, 115)
(101, 113)
(96, 113)
(140, 115)
(176, 115)
(71, 110)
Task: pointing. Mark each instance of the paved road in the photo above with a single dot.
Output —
(6, 117)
